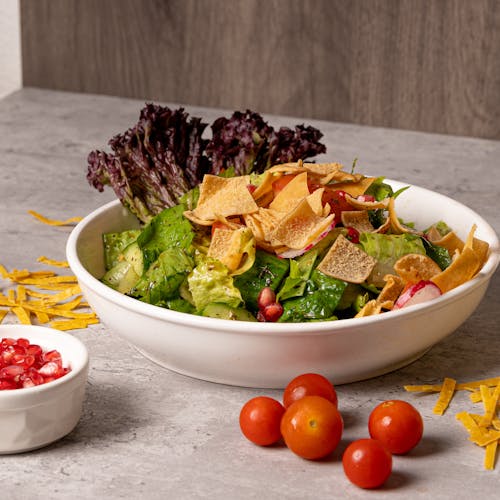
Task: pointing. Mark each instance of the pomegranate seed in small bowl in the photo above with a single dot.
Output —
(43, 374)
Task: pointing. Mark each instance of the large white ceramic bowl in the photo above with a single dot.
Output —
(268, 355)
(36, 416)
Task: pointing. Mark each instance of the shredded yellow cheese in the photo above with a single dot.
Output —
(483, 430)
(52, 262)
(445, 396)
(472, 386)
(423, 388)
(490, 401)
(43, 297)
(54, 222)
(490, 455)
(22, 314)
(3, 313)
(73, 324)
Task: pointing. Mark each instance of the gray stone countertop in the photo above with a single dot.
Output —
(150, 433)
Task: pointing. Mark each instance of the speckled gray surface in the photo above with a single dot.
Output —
(150, 433)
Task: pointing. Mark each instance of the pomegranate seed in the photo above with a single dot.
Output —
(15, 349)
(34, 349)
(352, 235)
(25, 365)
(266, 296)
(27, 382)
(273, 312)
(18, 359)
(51, 356)
(23, 360)
(11, 372)
(33, 374)
(23, 343)
(49, 369)
(7, 384)
(6, 358)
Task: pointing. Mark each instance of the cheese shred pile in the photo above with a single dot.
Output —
(44, 297)
(483, 429)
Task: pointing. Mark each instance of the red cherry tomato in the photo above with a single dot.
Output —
(312, 427)
(337, 201)
(309, 384)
(367, 463)
(397, 424)
(260, 420)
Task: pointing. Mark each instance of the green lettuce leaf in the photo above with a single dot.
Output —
(268, 270)
(379, 189)
(439, 255)
(210, 282)
(321, 296)
(162, 280)
(300, 271)
(387, 249)
(169, 229)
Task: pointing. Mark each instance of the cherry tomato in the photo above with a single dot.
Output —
(367, 463)
(309, 384)
(260, 420)
(337, 201)
(280, 183)
(397, 424)
(312, 427)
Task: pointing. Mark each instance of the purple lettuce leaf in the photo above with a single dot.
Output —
(164, 155)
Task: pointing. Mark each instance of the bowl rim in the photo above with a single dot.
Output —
(23, 331)
(259, 328)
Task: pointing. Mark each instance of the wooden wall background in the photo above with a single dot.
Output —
(430, 65)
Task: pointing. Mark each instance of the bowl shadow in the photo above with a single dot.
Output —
(109, 414)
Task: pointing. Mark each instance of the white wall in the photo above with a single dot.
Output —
(10, 47)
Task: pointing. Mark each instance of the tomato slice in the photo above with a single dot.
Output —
(218, 225)
(337, 201)
(279, 184)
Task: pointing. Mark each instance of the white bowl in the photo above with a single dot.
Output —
(268, 355)
(36, 416)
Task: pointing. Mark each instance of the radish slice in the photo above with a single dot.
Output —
(292, 253)
(416, 294)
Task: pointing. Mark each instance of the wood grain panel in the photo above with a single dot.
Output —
(430, 65)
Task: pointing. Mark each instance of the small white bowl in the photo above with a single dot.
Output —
(268, 355)
(37, 416)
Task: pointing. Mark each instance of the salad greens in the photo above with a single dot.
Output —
(166, 264)
(236, 224)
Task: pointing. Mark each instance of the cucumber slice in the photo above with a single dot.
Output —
(115, 243)
(223, 311)
(134, 256)
(121, 277)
